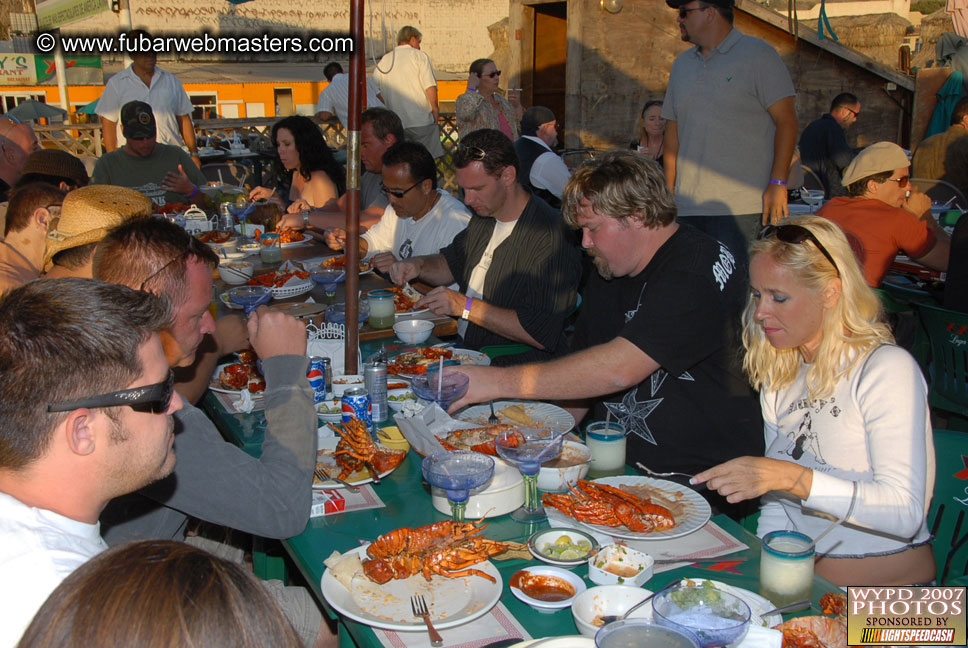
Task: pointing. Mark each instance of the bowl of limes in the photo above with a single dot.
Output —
(562, 547)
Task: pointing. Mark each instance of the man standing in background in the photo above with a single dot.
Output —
(823, 144)
(408, 87)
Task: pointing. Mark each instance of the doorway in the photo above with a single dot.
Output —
(548, 63)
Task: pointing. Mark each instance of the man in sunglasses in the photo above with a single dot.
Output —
(421, 218)
(823, 144)
(885, 213)
(657, 334)
(516, 265)
(87, 416)
(731, 127)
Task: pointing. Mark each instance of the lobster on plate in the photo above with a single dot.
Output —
(242, 375)
(477, 439)
(814, 632)
(447, 549)
(357, 451)
(609, 506)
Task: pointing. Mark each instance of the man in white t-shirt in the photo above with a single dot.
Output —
(421, 218)
(516, 266)
(160, 89)
(87, 417)
(334, 99)
(408, 87)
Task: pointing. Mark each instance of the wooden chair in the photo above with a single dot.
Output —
(941, 192)
(948, 338)
(946, 518)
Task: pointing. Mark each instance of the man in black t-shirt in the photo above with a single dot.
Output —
(657, 333)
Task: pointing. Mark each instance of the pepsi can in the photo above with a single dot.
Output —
(356, 405)
(317, 378)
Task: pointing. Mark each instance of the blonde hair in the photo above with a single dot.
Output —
(851, 328)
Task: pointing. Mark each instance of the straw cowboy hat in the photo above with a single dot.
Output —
(89, 212)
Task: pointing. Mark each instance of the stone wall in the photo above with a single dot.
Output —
(455, 31)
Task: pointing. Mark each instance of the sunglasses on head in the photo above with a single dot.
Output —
(471, 152)
(149, 399)
(194, 249)
(398, 193)
(797, 234)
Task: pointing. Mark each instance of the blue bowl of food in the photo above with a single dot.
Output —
(718, 618)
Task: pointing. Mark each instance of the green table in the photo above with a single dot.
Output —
(407, 500)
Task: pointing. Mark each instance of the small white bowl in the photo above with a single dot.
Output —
(250, 248)
(234, 255)
(413, 331)
(620, 556)
(547, 607)
(605, 600)
(549, 536)
(235, 272)
(343, 382)
(571, 465)
(397, 405)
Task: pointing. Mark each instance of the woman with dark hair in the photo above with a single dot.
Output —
(650, 131)
(159, 594)
(317, 177)
(845, 413)
(481, 106)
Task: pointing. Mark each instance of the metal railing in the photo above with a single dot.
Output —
(84, 140)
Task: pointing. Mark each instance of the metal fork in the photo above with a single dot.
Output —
(323, 476)
(420, 609)
(492, 419)
(660, 474)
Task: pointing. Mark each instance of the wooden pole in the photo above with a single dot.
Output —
(357, 93)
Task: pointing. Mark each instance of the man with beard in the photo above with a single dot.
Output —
(657, 335)
(731, 127)
(87, 416)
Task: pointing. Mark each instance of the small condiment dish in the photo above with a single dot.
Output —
(413, 331)
(343, 382)
(235, 272)
(397, 397)
(547, 546)
(556, 587)
(607, 600)
(617, 564)
(250, 248)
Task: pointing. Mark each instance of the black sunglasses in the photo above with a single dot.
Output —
(797, 234)
(471, 152)
(684, 13)
(399, 194)
(150, 399)
(495, 73)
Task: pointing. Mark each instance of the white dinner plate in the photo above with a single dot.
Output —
(451, 601)
(469, 357)
(216, 387)
(324, 455)
(574, 641)
(543, 415)
(758, 604)
(695, 514)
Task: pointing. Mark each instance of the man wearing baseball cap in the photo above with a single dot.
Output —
(885, 213)
(731, 127)
(162, 172)
(543, 173)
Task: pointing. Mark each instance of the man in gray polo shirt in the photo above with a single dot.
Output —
(731, 127)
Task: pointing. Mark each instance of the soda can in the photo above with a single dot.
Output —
(317, 378)
(375, 376)
(356, 405)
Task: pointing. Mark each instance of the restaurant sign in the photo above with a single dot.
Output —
(56, 13)
(906, 616)
(17, 69)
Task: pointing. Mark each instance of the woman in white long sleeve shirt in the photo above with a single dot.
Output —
(841, 406)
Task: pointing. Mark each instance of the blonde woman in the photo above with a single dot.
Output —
(650, 131)
(844, 410)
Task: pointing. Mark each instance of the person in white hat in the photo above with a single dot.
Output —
(885, 213)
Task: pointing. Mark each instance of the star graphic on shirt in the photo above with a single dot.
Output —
(658, 377)
(632, 414)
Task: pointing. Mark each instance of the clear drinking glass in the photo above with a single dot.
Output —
(786, 567)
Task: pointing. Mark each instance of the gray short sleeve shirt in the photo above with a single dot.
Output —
(719, 104)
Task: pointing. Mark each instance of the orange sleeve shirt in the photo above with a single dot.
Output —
(878, 231)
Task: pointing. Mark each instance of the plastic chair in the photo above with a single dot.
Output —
(948, 337)
(941, 192)
(946, 519)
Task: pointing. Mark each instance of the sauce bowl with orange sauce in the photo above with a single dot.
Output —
(546, 589)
